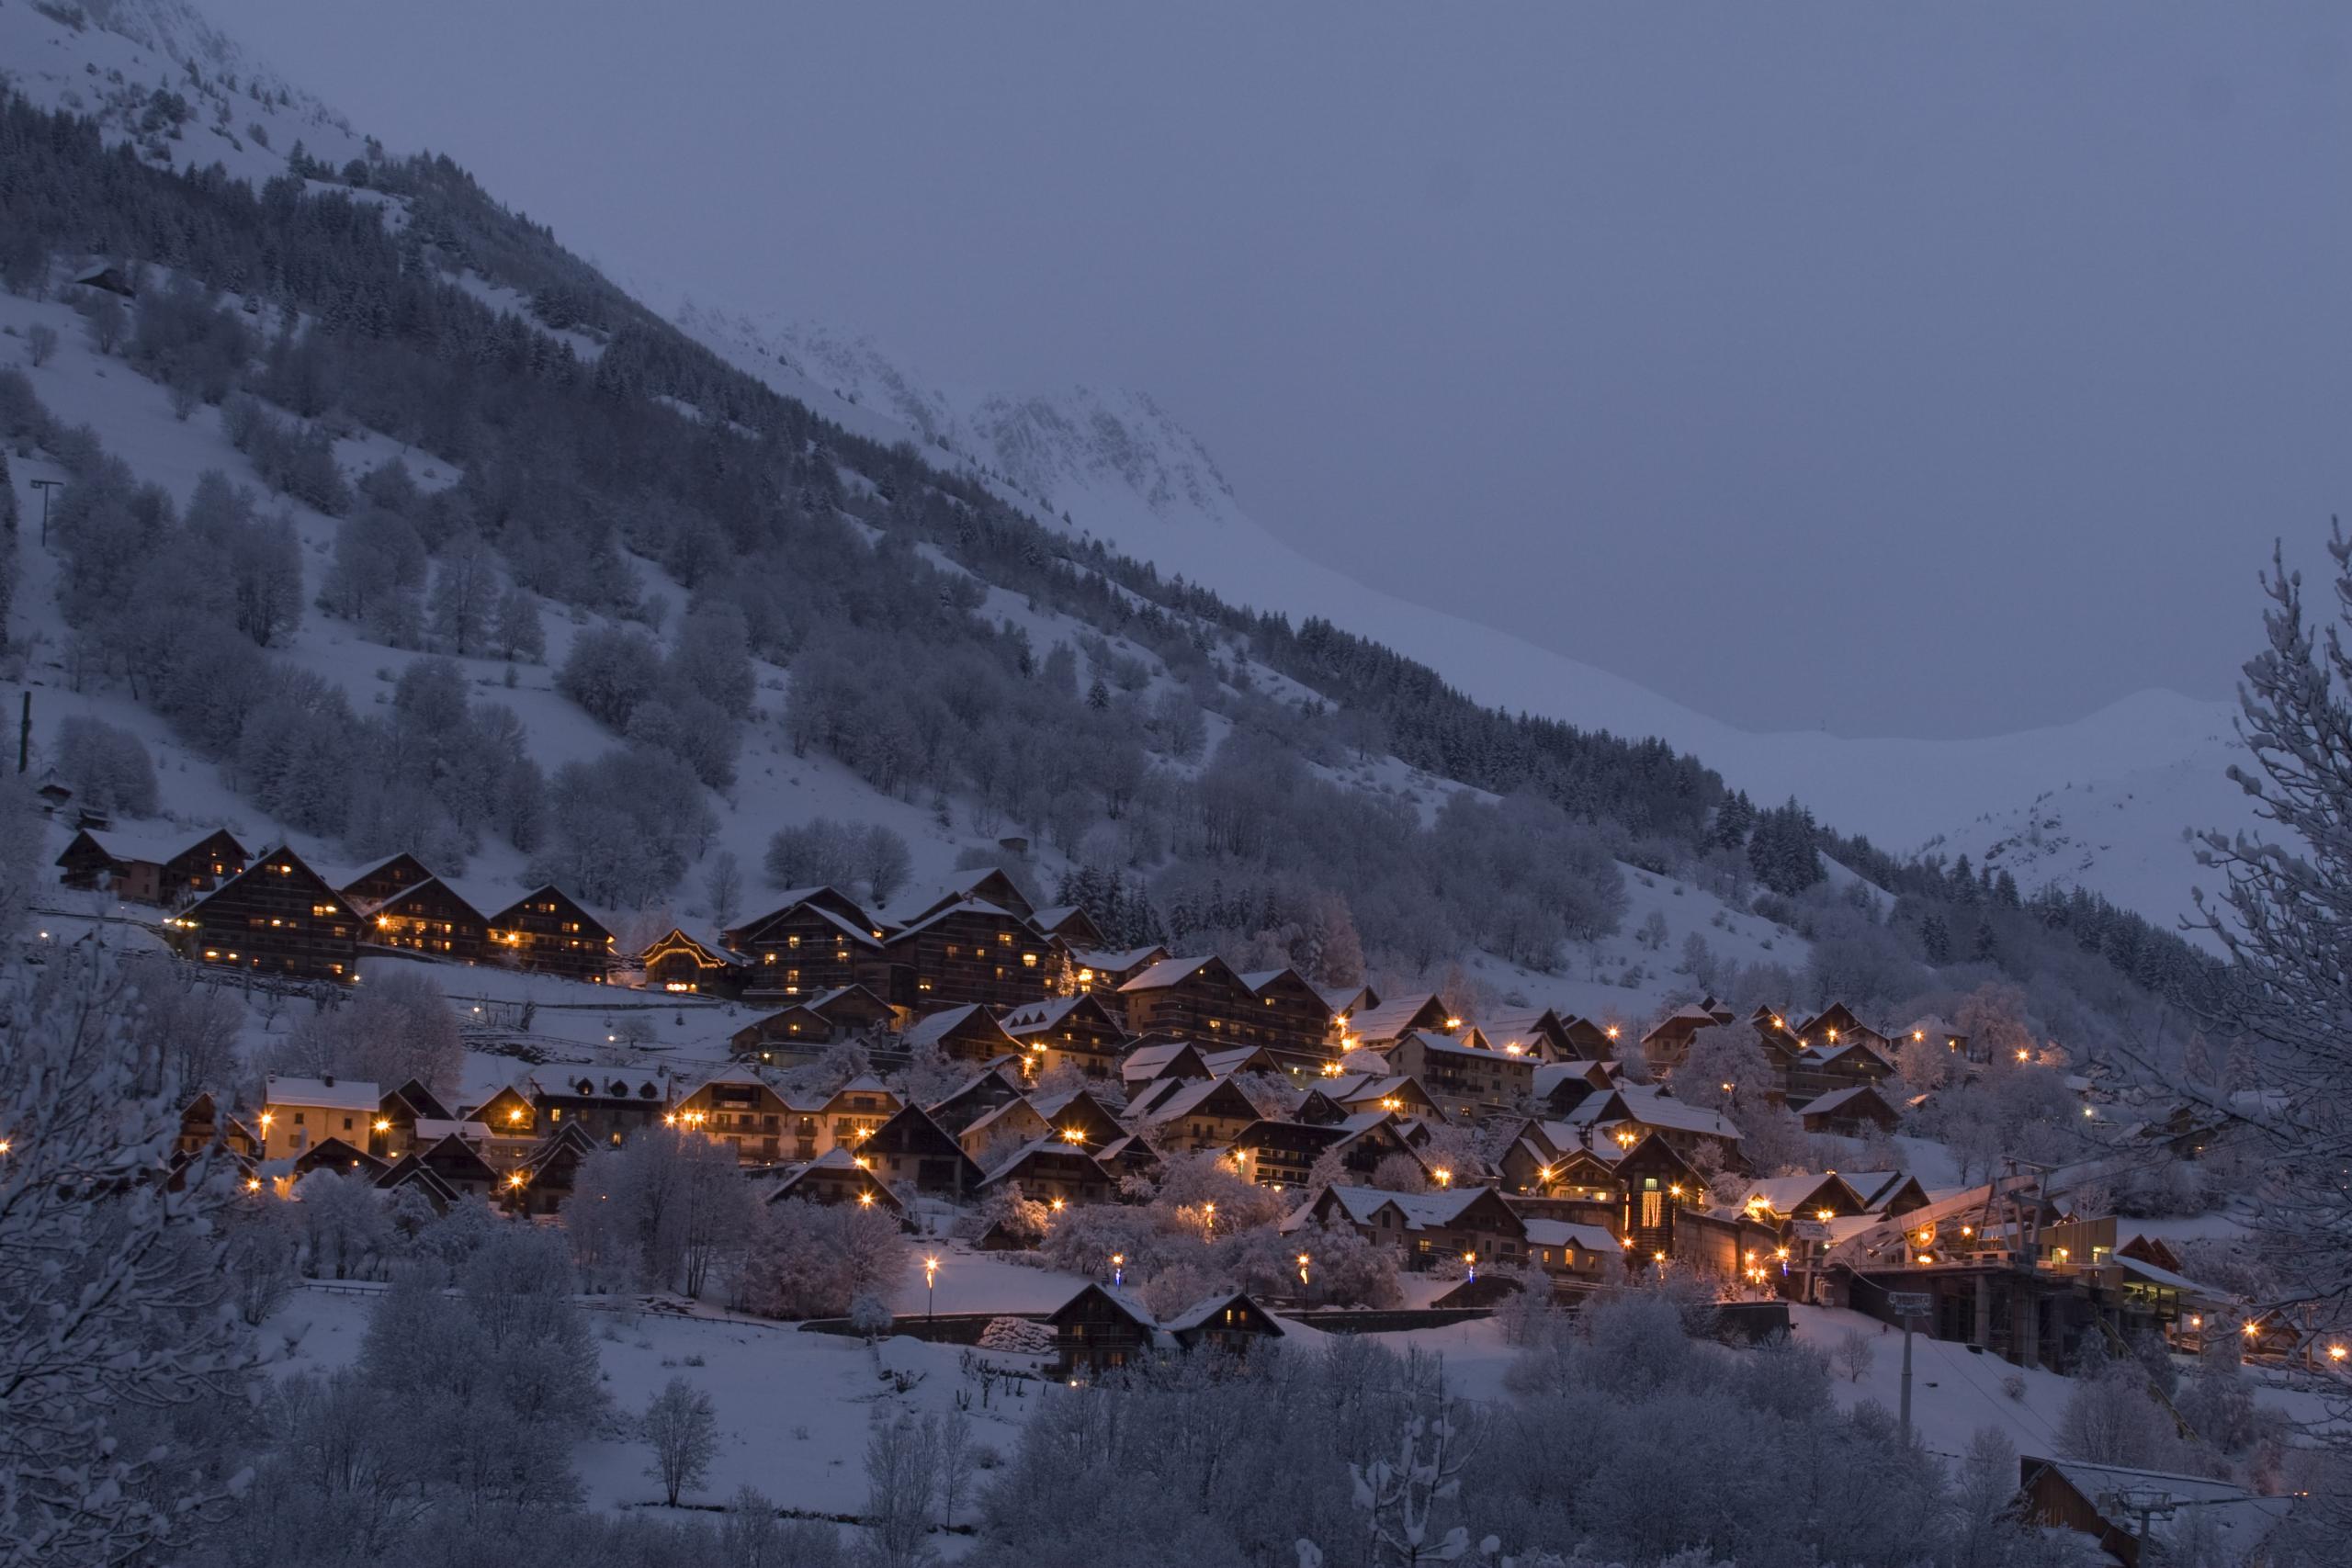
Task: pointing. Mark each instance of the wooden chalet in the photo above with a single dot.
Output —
(1896, 1192)
(1572, 1251)
(1560, 1087)
(836, 1176)
(1378, 1028)
(996, 1084)
(1836, 1024)
(1659, 1187)
(966, 1033)
(1228, 1322)
(429, 917)
(1292, 1018)
(913, 1152)
(1193, 1113)
(1783, 1201)
(1283, 1153)
(205, 1125)
(607, 1105)
(690, 960)
(1824, 1069)
(277, 916)
(1190, 999)
(1542, 1162)
(452, 1164)
(1424, 1229)
(1345, 1001)
(1588, 1041)
(1541, 1035)
(398, 1113)
(1854, 1111)
(547, 1171)
(1936, 1029)
(2105, 1502)
(818, 940)
(1075, 1030)
(847, 1012)
(343, 1160)
(548, 930)
(970, 951)
(1468, 1080)
(1161, 1056)
(1354, 1094)
(997, 1132)
(1668, 1040)
(991, 885)
(1101, 1330)
(1080, 1117)
(164, 868)
(1102, 972)
(1053, 1172)
(1072, 925)
(511, 1111)
(373, 884)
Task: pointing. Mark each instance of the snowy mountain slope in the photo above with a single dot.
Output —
(160, 76)
(1118, 468)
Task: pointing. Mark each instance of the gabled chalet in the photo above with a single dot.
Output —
(1668, 1040)
(1292, 1018)
(1077, 1030)
(1562, 1086)
(1350, 1094)
(1082, 1112)
(913, 1152)
(509, 1111)
(692, 960)
(1192, 999)
(996, 1084)
(965, 1034)
(1053, 1172)
(1073, 925)
(1541, 1035)
(1855, 1110)
(1380, 1027)
(205, 1125)
(817, 941)
(429, 917)
(452, 1164)
(1547, 1160)
(843, 1119)
(993, 1134)
(1163, 1058)
(1101, 1330)
(966, 951)
(163, 867)
(1202, 1113)
(607, 1105)
(372, 883)
(1573, 1251)
(1824, 1069)
(1660, 1188)
(1934, 1029)
(845, 1013)
(1228, 1322)
(548, 1170)
(1283, 1153)
(548, 930)
(1837, 1025)
(836, 1176)
(398, 1113)
(343, 1160)
(1104, 973)
(742, 1109)
(1688, 1129)
(1423, 1228)
(1784, 1200)
(277, 917)
(1589, 1041)
(1345, 1001)
(297, 1113)
(989, 884)
(2129, 1512)
(1466, 1080)
(1895, 1193)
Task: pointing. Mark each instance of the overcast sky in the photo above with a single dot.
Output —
(1936, 371)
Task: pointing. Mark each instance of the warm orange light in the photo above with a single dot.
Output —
(515, 1179)
(866, 1200)
(1824, 1215)
(1078, 1136)
(1454, 1023)
(516, 1114)
(2251, 1331)
(252, 1183)
(1919, 1035)
(2196, 1320)
(383, 1124)
(1612, 1032)
(1058, 1206)
(2023, 1053)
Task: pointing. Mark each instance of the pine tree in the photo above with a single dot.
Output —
(1935, 938)
(1986, 947)
(1097, 696)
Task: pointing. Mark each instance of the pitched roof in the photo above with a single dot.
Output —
(1654, 1108)
(1146, 1062)
(154, 846)
(1421, 1210)
(934, 1027)
(1844, 1099)
(1390, 1019)
(1168, 972)
(1112, 962)
(1567, 1233)
(1208, 1306)
(350, 1094)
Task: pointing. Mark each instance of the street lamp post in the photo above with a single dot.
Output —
(1302, 1260)
(44, 486)
(1118, 1269)
(930, 1288)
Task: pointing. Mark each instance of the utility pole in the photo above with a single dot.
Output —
(44, 486)
(25, 735)
(1910, 1306)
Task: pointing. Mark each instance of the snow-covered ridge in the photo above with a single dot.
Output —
(1122, 469)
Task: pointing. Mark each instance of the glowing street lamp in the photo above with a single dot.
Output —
(1118, 1269)
(1303, 1259)
(1470, 1262)
(1208, 1221)
(1444, 1177)
(929, 1285)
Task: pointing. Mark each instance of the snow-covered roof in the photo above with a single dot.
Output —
(934, 1027)
(2238, 1515)
(1841, 1098)
(1034, 1017)
(1787, 1194)
(1112, 962)
(1390, 1019)
(961, 907)
(1207, 1307)
(2154, 1275)
(1565, 1232)
(1145, 1062)
(346, 1094)
(1168, 972)
(1421, 1210)
(1654, 1108)
(152, 845)
(1446, 1044)
(1178, 1097)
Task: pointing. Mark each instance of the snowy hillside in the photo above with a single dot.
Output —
(157, 73)
(1120, 468)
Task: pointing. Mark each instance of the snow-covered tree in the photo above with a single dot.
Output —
(681, 1428)
(111, 1284)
